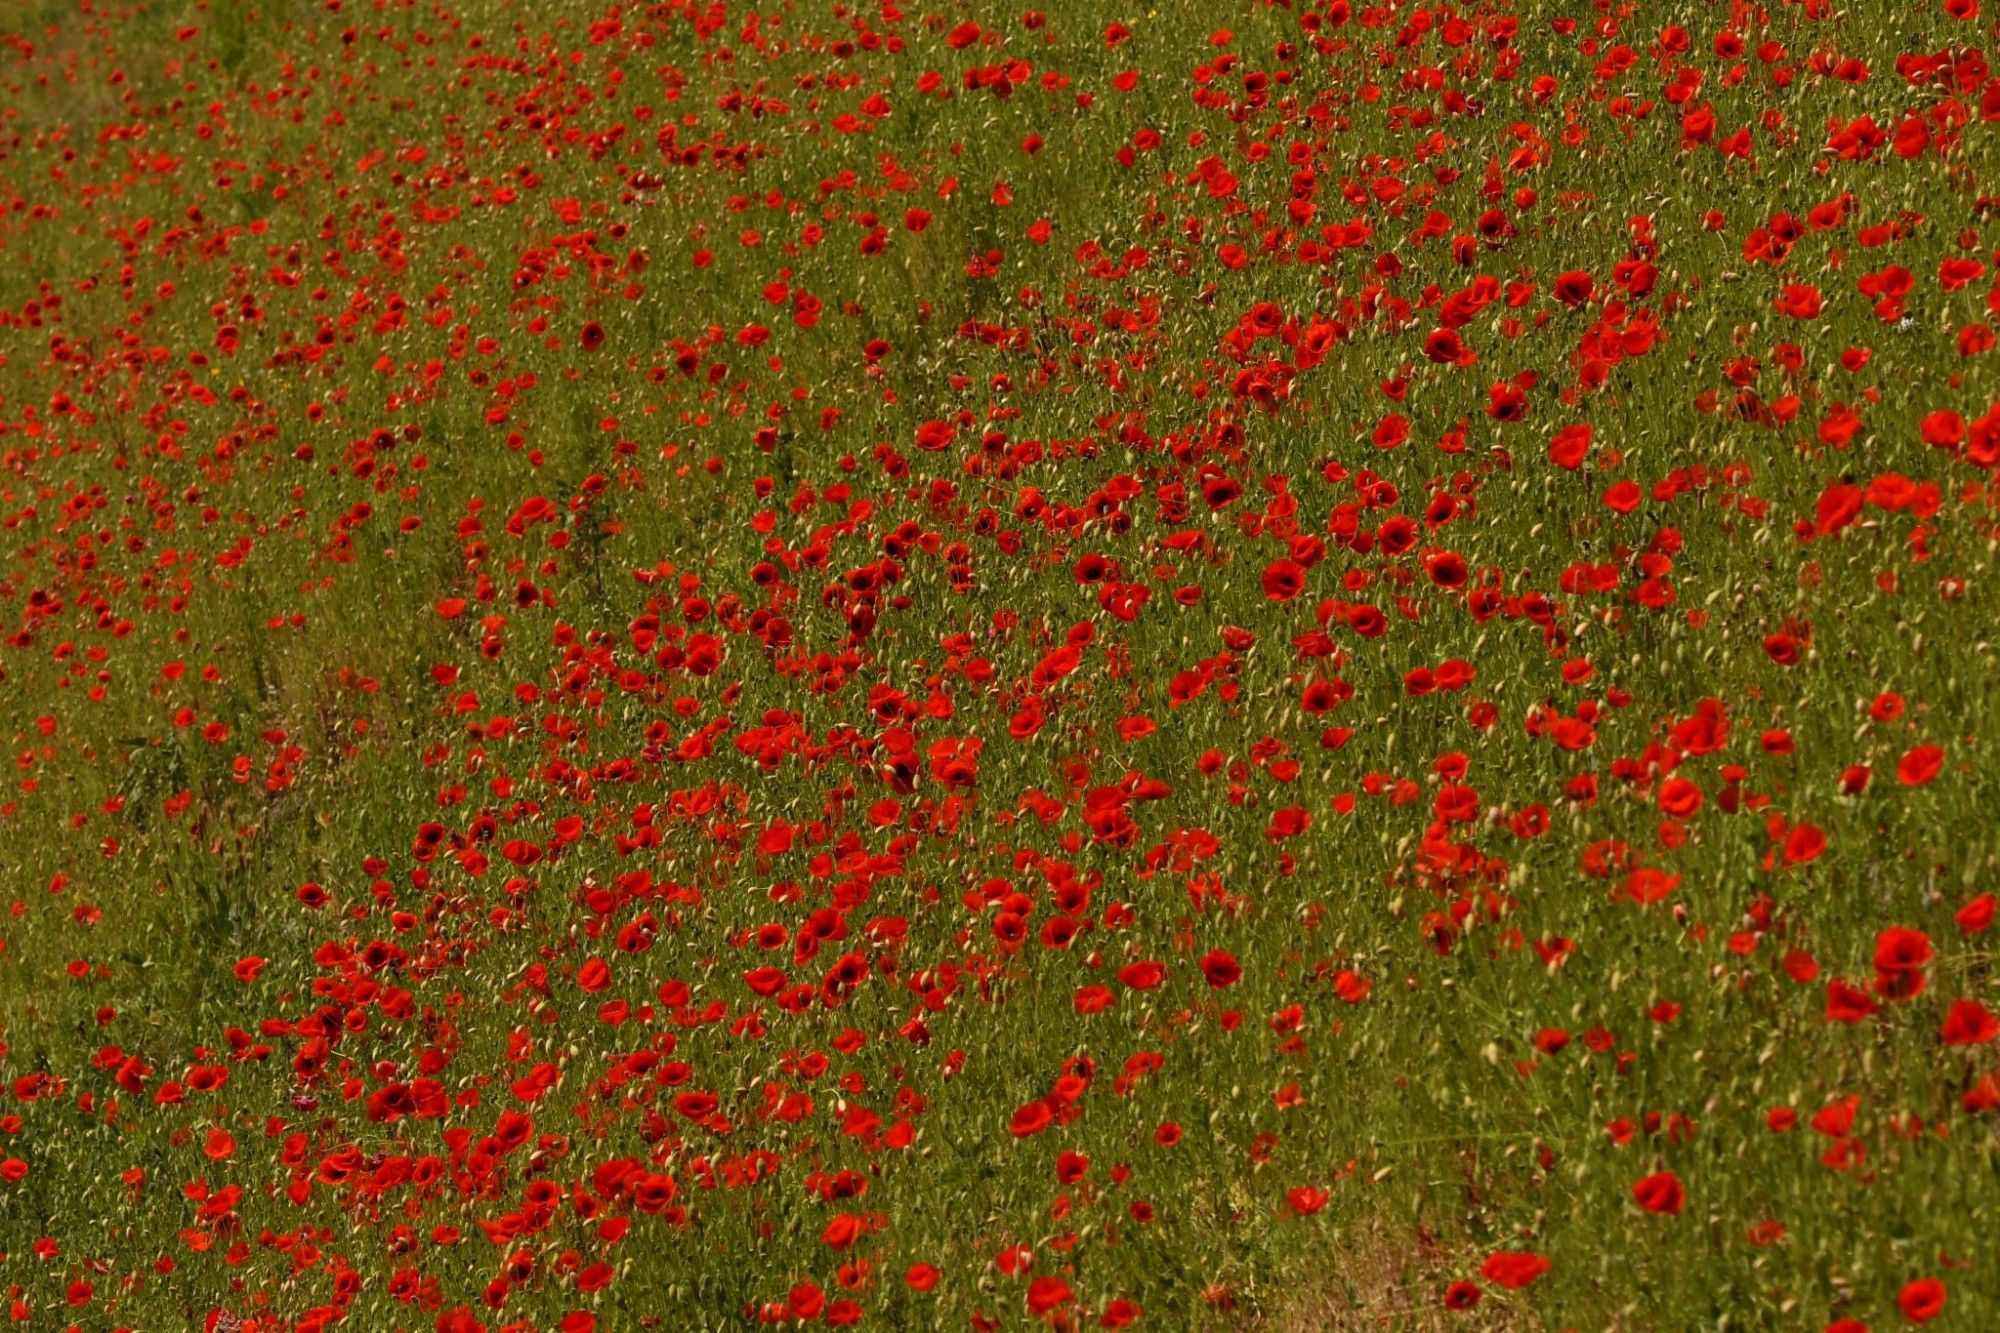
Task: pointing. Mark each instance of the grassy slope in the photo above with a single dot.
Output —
(1415, 1112)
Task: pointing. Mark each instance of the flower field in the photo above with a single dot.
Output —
(1283, 665)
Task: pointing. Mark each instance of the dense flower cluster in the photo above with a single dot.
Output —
(694, 664)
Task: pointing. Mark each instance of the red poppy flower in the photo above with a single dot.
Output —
(1094, 999)
(1570, 446)
(1048, 1293)
(1031, 1119)
(1660, 1193)
(1305, 1200)
(1142, 975)
(1921, 1300)
(1977, 916)
(1919, 765)
(1221, 969)
(1283, 580)
(1513, 1269)
(1902, 949)
(1805, 843)
(1800, 301)
(1847, 1004)
(1119, 1313)
(1839, 505)
(1969, 1023)
(1573, 288)
(842, 1232)
(1624, 497)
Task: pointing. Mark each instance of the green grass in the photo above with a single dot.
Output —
(275, 537)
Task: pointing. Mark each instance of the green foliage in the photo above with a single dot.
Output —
(476, 558)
